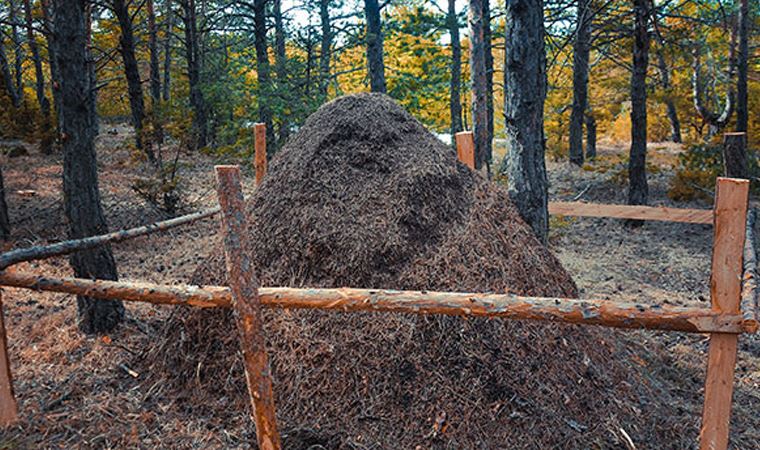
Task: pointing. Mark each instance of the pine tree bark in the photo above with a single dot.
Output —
(91, 69)
(281, 65)
(375, 63)
(55, 78)
(455, 100)
(581, 49)
(590, 135)
(479, 78)
(488, 46)
(5, 223)
(262, 68)
(638, 190)
(325, 55)
(169, 14)
(46, 141)
(742, 113)
(18, 53)
(525, 92)
(192, 54)
(80, 177)
(716, 121)
(662, 67)
(5, 72)
(155, 75)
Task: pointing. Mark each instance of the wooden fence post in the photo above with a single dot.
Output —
(247, 306)
(260, 146)
(466, 148)
(735, 155)
(731, 196)
(8, 408)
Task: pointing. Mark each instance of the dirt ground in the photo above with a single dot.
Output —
(76, 391)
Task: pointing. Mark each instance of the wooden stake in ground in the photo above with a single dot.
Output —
(8, 409)
(735, 155)
(247, 306)
(260, 146)
(731, 197)
(466, 148)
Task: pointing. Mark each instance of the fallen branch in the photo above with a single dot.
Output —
(62, 248)
(507, 306)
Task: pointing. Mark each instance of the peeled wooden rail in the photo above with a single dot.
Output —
(62, 248)
(580, 209)
(507, 306)
(749, 297)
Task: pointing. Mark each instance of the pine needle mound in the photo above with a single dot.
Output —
(364, 196)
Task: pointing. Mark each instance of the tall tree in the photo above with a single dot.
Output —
(55, 77)
(80, 177)
(375, 63)
(525, 92)
(638, 190)
(46, 144)
(581, 49)
(281, 66)
(169, 29)
(455, 101)
(132, 73)
(742, 113)
(18, 50)
(488, 48)
(155, 75)
(5, 72)
(325, 55)
(192, 55)
(262, 67)
(5, 223)
(479, 77)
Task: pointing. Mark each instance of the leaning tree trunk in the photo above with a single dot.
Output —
(375, 63)
(742, 113)
(638, 190)
(262, 68)
(132, 73)
(525, 92)
(479, 77)
(455, 100)
(326, 46)
(46, 139)
(5, 223)
(80, 176)
(581, 49)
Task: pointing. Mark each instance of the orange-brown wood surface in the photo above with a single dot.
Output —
(580, 209)
(260, 148)
(749, 306)
(731, 197)
(8, 409)
(466, 148)
(507, 306)
(247, 307)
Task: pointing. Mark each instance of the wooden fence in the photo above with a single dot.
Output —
(733, 291)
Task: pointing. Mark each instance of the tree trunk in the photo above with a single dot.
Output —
(55, 77)
(168, 51)
(488, 47)
(375, 63)
(638, 191)
(662, 67)
(715, 121)
(742, 113)
(5, 223)
(132, 72)
(5, 72)
(590, 135)
(581, 48)
(326, 46)
(455, 100)
(80, 176)
(525, 92)
(479, 77)
(91, 69)
(46, 141)
(281, 65)
(262, 68)
(155, 76)
(18, 53)
(197, 101)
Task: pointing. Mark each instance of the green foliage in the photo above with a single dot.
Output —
(698, 168)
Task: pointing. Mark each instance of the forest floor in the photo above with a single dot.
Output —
(76, 391)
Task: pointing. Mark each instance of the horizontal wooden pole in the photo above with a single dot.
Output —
(703, 216)
(589, 312)
(749, 306)
(62, 248)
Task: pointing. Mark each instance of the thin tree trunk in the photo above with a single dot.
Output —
(197, 101)
(525, 93)
(662, 67)
(281, 65)
(46, 141)
(375, 63)
(5, 223)
(715, 121)
(168, 51)
(326, 46)
(18, 52)
(262, 68)
(455, 100)
(742, 113)
(581, 50)
(80, 176)
(638, 190)
(479, 78)
(590, 135)
(488, 47)
(55, 77)
(5, 72)
(155, 76)
(92, 70)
